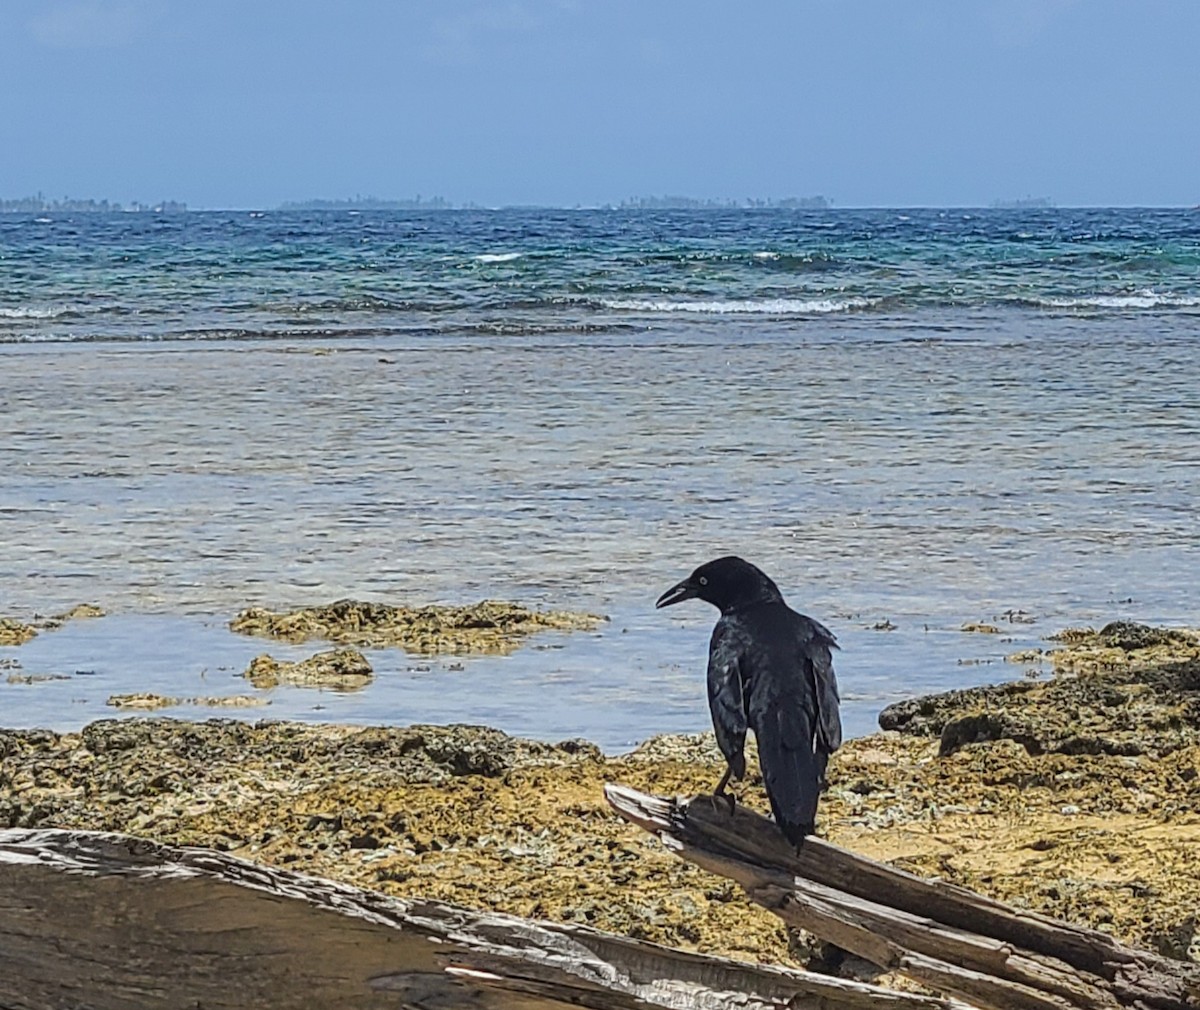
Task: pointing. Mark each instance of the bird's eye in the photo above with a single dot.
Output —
(703, 580)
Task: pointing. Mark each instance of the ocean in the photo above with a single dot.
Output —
(912, 419)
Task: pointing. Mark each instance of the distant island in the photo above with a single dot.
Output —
(40, 205)
(375, 203)
(1025, 203)
(691, 203)
(634, 203)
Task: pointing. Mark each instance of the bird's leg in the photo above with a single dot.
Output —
(720, 793)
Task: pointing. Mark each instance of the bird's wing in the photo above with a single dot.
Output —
(793, 709)
(783, 719)
(725, 699)
(819, 659)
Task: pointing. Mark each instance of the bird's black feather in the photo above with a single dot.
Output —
(769, 669)
(725, 698)
(787, 676)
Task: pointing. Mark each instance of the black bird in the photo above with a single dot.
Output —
(771, 669)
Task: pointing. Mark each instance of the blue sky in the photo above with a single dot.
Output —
(869, 102)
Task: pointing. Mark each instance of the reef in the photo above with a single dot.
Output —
(490, 626)
(1127, 689)
(79, 612)
(14, 632)
(1078, 799)
(337, 669)
(146, 701)
(17, 632)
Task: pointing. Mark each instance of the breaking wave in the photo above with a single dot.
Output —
(1133, 300)
(30, 312)
(750, 306)
(507, 257)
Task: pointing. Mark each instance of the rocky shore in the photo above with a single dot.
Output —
(14, 631)
(495, 626)
(1075, 792)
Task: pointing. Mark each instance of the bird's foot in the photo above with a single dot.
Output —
(722, 795)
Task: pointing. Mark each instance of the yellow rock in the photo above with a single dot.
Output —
(339, 669)
(491, 626)
(14, 632)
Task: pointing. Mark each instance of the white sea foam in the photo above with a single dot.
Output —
(31, 312)
(497, 257)
(1145, 299)
(766, 254)
(37, 338)
(752, 306)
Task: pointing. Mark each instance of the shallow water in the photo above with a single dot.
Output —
(925, 482)
(923, 465)
(637, 677)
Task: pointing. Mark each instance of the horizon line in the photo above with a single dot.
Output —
(296, 206)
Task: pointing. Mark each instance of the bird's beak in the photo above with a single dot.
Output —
(684, 590)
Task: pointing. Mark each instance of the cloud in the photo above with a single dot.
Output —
(93, 24)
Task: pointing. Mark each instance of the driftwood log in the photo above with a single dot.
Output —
(110, 922)
(955, 941)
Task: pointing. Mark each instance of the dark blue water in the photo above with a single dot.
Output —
(913, 419)
(320, 274)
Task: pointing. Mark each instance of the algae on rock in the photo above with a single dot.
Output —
(79, 612)
(491, 626)
(147, 701)
(1127, 689)
(14, 632)
(339, 669)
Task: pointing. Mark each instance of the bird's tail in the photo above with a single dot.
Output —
(792, 776)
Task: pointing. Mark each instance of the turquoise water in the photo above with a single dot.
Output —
(910, 418)
(502, 273)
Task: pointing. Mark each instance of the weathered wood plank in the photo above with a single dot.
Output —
(947, 937)
(110, 922)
